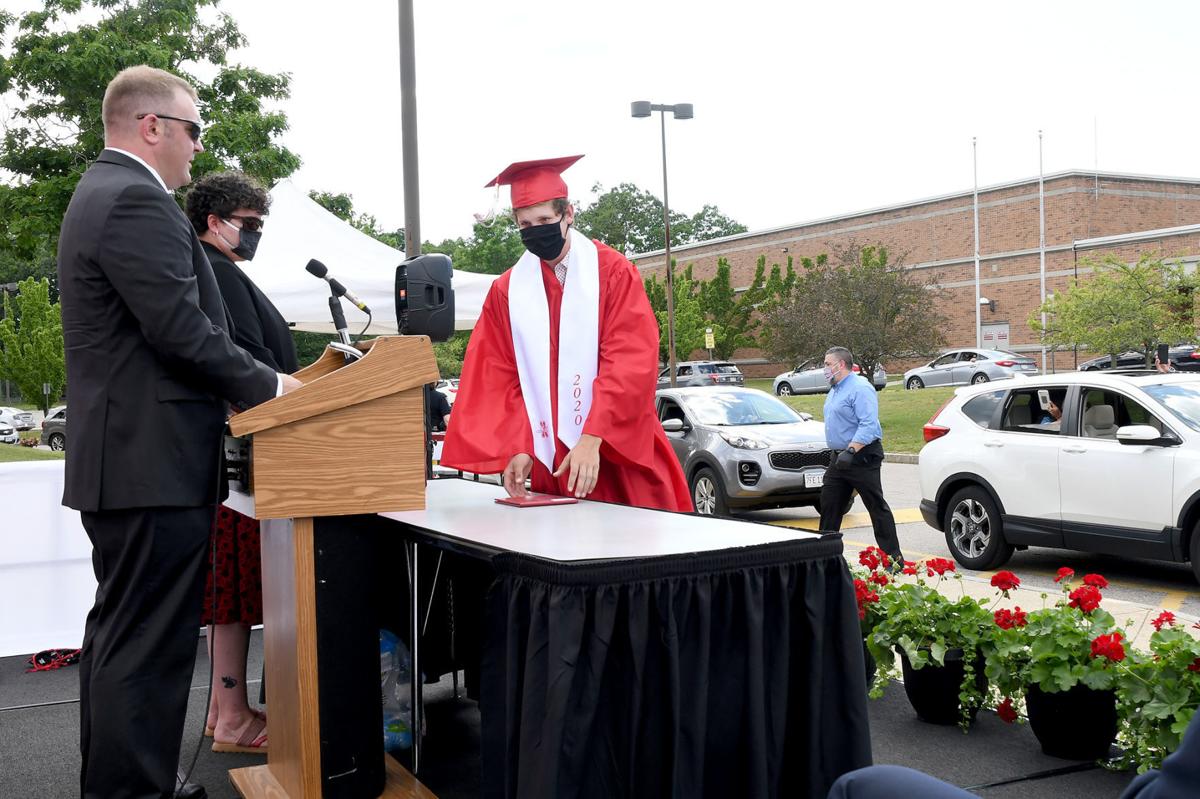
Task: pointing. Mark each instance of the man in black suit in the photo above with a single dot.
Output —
(150, 368)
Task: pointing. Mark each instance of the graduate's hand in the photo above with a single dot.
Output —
(515, 474)
(584, 464)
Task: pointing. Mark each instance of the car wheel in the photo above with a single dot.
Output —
(979, 378)
(785, 389)
(974, 530)
(708, 496)
(57, 442)
(914, 383)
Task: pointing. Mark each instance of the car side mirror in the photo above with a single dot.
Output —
(807, 417)
(1145, 435)
(675, 426)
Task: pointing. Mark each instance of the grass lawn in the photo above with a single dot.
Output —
(10, 453)
(902, 413)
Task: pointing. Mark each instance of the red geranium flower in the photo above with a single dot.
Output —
(1108, 646)
(938, 566)
(1164, 619)
(1006, 711)
(1096, 580)
(910, 567)
(864, 596)
(873, 558)
(1064, 574)
(1086, 598)
(1005, 581)
(1195, 665)
(879, 578)
(1007, 619)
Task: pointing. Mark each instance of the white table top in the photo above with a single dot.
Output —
(467, 511)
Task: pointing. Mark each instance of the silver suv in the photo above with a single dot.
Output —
(742, 448)
(702, 373)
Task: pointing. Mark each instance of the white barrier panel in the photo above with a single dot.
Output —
(46, 582)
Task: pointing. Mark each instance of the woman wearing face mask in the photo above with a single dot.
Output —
(227, 212)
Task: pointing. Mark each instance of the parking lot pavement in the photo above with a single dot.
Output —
(1138, 588)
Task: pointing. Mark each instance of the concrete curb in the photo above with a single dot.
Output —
(899, 457)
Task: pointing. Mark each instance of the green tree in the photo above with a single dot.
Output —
(31, 342)
(734, 316)
(689, 315)
(1122, 307)
(859, 299)
(450, 354)
(492, 248)
(629, 219)
(708, 223)
(60, 59)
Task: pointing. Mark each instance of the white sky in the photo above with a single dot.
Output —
(803, 109)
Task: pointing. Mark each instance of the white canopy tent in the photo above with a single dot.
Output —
(298, 229)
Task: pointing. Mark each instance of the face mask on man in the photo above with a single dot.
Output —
(829, 374)
(247, 244)
(545, 241)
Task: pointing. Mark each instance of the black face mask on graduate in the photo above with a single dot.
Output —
(247, 242)
(545, 241)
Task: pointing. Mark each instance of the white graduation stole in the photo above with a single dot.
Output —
(578, 344)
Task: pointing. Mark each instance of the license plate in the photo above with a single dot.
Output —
(814, 479)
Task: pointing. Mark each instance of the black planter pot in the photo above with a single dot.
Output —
(933, 690)
(1078, 724)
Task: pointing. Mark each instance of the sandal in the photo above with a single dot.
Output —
(252, 741)
(208, 731)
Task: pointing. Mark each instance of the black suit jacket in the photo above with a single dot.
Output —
(258, 327)
(150, 365)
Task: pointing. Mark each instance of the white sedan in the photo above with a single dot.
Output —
(1088, 461)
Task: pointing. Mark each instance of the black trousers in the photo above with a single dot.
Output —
(861, 475)
(139, 647)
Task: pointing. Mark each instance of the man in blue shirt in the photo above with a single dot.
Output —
(853, 433)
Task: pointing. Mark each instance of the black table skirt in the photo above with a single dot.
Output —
(736, 673)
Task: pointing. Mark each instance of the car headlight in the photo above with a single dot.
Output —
(742, 442)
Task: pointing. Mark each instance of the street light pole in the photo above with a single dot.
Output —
(670, 266)
(643, 108)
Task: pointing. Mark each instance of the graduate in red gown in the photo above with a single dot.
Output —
(559, 378)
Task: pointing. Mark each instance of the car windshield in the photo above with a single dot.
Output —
(1183, 400)
(730, 409)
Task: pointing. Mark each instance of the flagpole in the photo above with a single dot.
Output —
(1042, 244)
(978, 320)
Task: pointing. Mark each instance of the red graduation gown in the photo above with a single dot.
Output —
(488, 424)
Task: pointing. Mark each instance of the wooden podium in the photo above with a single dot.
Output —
(350, 441)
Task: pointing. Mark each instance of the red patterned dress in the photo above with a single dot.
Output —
(238, 571)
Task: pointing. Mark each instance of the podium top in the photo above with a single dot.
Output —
(467, 512)
(390, 364)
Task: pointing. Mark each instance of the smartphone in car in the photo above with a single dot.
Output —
(1164, 354)
(1044, 399)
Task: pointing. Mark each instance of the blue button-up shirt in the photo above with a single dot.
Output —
(852, 413)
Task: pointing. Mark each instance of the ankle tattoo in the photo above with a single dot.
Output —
(229, 682)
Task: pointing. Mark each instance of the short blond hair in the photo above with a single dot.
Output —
(137, 90)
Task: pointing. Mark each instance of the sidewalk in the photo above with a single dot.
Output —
(39, 717)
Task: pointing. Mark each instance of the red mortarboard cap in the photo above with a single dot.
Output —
(535, 182)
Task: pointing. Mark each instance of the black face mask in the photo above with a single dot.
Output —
(545, 241)
(247, 242)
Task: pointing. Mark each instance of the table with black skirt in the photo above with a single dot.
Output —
(630, 652)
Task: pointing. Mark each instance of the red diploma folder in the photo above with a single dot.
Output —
(536, 501)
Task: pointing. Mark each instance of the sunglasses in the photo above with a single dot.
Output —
(194, 128)
(250, 223)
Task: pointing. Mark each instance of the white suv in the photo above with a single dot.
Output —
(1098, 462)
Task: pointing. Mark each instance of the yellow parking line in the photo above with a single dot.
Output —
(852, 520)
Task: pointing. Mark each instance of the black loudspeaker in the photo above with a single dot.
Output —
(350, 709)
(424, 297)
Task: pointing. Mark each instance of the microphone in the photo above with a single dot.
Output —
(319, 269)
